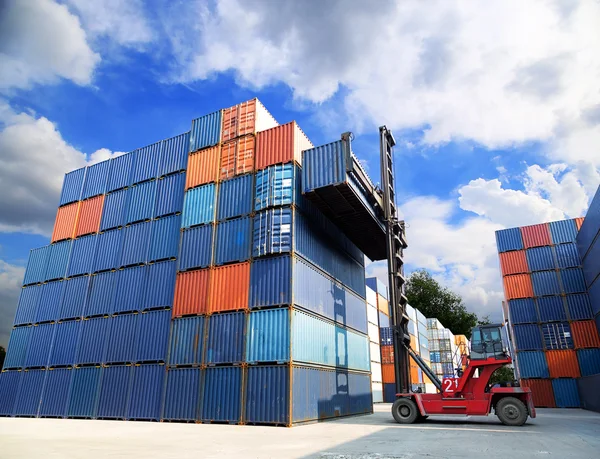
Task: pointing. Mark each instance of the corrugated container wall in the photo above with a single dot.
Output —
(72, 186)
(96, 179)
(206, 131)
(282, 144)
(174, 154)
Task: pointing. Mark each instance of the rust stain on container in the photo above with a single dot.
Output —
(563, 364)
(191, 293)
(388, 373)
(203, 167)
(518, 286)
(383, 305)
(579, 222)
(536, 235)
(541, 391)
(281, 144)
(513, 262)
(229, 287)
(237, 157)
(585, 334)
(66, 221)
(90, 216)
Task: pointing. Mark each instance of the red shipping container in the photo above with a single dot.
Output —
(279, 145)
(536, 235)
(203, 167)
(585, 334)
(66, 221)
(541, 391)
(579, 222)
(388, 373)
(90, 215)
(191, 293)
(387, 354)
(513, 262)
(246, 118)
(563, 364)
(237, 157)
(518, 286)
(229, 288)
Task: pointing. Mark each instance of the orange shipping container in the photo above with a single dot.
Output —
(541, 391)
(585, 334)
(282, 144)
(191, 293)
(203, 167)
(518, 286)
(248, 117)
(383, 305)
(387, 354)
(536, 235)
(229, 287)
(90, 215)
(513, 262)
(66, 221)
(414, 372)
(387, 371)
(563, 364)
(579, 222)
(237, 157)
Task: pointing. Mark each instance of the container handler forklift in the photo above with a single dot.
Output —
(467, 394)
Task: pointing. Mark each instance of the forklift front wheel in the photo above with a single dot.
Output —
(511, 411)
(405, 411)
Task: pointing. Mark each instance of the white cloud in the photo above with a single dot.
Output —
(499, 73)
(11, 277)
(33, 162)
(40, 43)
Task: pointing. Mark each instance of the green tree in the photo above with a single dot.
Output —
(502, 374)
(433, 300)
(2, 355)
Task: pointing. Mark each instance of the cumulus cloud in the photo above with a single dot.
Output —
(40, 43)
(11, 277)
(33, 162)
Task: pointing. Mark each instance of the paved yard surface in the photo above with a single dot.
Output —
(555, 433)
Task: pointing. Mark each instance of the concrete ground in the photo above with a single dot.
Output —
(554, 433)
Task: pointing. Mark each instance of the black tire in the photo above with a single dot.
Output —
(511, 411)
(405, 411)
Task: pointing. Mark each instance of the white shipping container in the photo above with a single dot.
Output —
(371, 297)
(373, 332)
(411, 313)
(377, 389)
(372, 315)
(375, 353)
(430, 388)
(376, 374)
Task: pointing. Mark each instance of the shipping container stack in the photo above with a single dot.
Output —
(190, 281)
(445, 355)
(551, 321)
(374, 344)
(588, 247)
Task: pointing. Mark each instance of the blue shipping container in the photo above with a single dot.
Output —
(567, 256)
(153, 336)
(84, 392)
(130, 289)
(121, 171)
(527, 337)
(102, 294)
(83, 255)
(384, 319)
(226, 336)
(72, 186)
(147, 160)
(55, 396)
(557, 336)
(522, 311)
(566, 394)
(30, 393)
(174, 154)
(196, 247)
(164, 242)
(160, 285)
(276, 186)
(187, 341)
(540, 258)
(28, 304)
(532, 365)
(93, 340)
(114, 392)
(136, 241)
(58, 260)
(563, 231)
(96, 179)
(39, 347)
(222, 399)
(591, 263)
(140, 201)
(36, 265)
(589, 361)
(199, 206)
(122, 338)
(182, 398)
(386, 336)
(272, 232)
(509, 239)
(551, 308)
(579, 306)
(545, 283)
(65, 343)
(233, 240)
(235, 197)
(146, 392)
(268, 395)
(169, 195)
(573, 280)
(206, 131)
(589, 228)
(9, 388)
(108, 252)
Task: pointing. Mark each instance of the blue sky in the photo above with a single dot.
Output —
(496, 124)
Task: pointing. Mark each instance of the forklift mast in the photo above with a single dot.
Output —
(396, 243)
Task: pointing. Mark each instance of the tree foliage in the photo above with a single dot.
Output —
(502, 374)
(433, 300)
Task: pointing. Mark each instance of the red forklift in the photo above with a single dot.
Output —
(469, 392)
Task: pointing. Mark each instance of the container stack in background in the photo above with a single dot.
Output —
(550, 315)
(374, 344)
(191, 281)
(588, 246)
(445, 349)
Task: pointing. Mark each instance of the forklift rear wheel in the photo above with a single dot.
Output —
(405, 411)
(511, 411)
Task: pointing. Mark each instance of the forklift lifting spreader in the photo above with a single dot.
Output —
(469, 394)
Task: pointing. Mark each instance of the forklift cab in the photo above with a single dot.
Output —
(489, 341)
